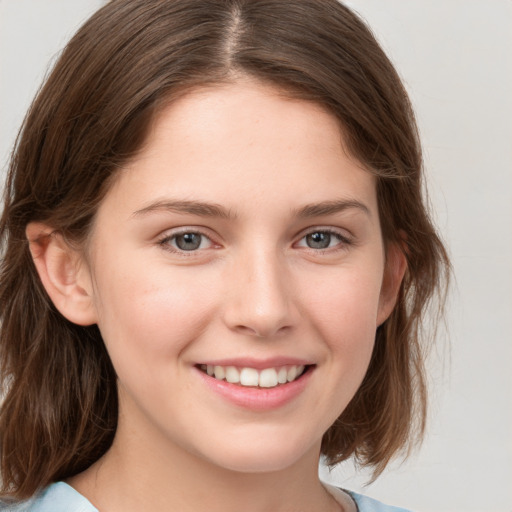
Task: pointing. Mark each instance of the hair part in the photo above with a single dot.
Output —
(59, 412)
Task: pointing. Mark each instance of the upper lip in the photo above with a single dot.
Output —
(258, 364)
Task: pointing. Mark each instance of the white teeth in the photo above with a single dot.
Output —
(292, 373)
(219, 372)
(249, 377)
(282, 375)
(266, 378)
(232, 375)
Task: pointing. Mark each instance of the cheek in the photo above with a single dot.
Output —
(343, 314)
(149, 315)
(344, 309)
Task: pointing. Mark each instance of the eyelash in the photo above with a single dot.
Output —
(343, 240)
(165, 242)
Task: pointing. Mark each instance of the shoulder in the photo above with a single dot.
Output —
(355, 502)
(58, 497)
(366, 504)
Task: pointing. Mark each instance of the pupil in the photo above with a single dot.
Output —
(188, 241)
(318, 240)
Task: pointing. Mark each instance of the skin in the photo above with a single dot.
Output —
(253, 288)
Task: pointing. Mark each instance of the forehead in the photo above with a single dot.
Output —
(245, 141)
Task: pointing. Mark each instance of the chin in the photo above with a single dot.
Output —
(258, 459)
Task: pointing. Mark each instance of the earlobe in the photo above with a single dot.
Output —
(394, 272)
(63, 273)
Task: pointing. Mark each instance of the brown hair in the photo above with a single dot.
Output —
(59, 412)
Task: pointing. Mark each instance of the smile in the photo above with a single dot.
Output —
(251, 377)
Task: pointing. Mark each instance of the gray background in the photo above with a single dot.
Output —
(456, 59)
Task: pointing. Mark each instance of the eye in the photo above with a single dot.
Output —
(186, 241)
(323, 239)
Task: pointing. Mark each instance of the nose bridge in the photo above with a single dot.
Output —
(260, 302)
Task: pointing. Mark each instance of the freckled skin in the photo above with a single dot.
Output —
(253, 289)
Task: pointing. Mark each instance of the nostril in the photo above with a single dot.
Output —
(248, 330)
(263, 332)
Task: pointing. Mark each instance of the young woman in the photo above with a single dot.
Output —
(216, 261)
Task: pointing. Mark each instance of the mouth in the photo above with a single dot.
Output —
(256, 378)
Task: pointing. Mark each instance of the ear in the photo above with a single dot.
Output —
(63, 273)
(394, 271)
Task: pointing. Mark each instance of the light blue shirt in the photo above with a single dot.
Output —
(60, 497)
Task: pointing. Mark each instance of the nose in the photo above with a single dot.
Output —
(259, 298)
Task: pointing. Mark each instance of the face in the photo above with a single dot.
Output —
(237, 268)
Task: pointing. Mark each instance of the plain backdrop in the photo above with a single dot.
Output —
(455, 57)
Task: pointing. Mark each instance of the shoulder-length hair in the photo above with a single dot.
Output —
(59, 411)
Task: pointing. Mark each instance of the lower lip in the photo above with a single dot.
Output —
(257, 399)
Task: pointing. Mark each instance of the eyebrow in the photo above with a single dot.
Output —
(330, 208)
(204, 209)
(199, 208)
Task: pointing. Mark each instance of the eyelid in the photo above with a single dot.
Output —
(169, 234)
(345, 239)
